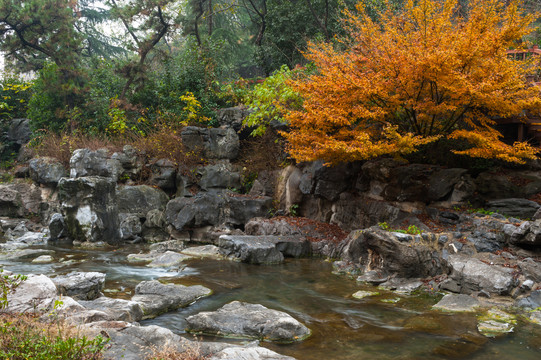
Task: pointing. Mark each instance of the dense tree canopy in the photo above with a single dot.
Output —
(413, 76)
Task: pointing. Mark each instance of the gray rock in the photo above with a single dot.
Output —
(85, 162)
(362, 294)
(530, 302)
(20, 199)
(89, 208)
(232, 117)
(46, 171)
(528, 234)
(156, 298)
(520, 208)
(263, 249)
(219, 176)
(442, 182)
(376, 250)
(141, 199)
(154, 227)
(130, 227)
(57, 227)
(501, 186)
(10, 202)
(19, 131)
(404, 286)
(25, 254)
(215, 208)
(248, 353)
(37, 293)
(131, 166)
(531, 269)
(252, 321)
(205, 251)
(116, 309)
(171, 245)
(328, 182)
(474, 275)
(80, 285)
(164, 175)
(214, 143)
(457, 302)
(168, 259)
(43, 259)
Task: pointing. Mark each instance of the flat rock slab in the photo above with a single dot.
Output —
(169, 259)
(24, 254)
(36, 293)
(458, 303)
(249, 353)
(156, 298)
(361, 294)
(80, 285)
(116, 309)
(205, 251)
(250, 321)
(266, 249)
(496, 323)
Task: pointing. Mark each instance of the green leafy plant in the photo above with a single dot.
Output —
(411, 230)
(294, 210)
(8, 284)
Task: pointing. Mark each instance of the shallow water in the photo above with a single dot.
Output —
(343, 327)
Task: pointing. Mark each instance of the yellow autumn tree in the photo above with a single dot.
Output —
(411, 77)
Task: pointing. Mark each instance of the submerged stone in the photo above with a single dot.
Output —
(496, 322)
(361, 294)
(457, 302)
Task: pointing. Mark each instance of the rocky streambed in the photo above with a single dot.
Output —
(229, 304)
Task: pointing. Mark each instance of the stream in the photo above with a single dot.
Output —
(385, 326)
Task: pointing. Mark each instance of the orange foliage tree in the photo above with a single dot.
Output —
(411, 77)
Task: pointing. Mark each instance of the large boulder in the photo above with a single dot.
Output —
(80, 285)
(263, 249)
(215, 208)
(472, 275)
(116, 309)
(85, 162)
(89, 208)
(388, 253)
(328, 182)
(19, 131)
(515, 207)
(156, 298)
(20, 199)
(130, 227)
(252, 321)
(528, 234)
(232, 117)
(219, 176)
(131, 166)
(214, 143)
(35, 294)
(141, 199)
(511, 184)
(46, 171)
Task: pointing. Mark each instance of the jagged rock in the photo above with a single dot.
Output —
(531, 269)
(130, 226)
(474, 275)
(57, 227)
(10, 202)
(141, 199)
(263, 249)
(164, 175)
(386, 252)
(520, 208)
(19, 131)
(457, 302)
(131, 167)
(528, 234)
(46, 170)
(252, 321)
(219, 176)
(171, 245)
(154, 227)
(116, 309)
(232, 117)
(85, 162)
(89, 208)
(80, 285)
(403, 286)
(328, 182)
(214, 143)
(156, 298)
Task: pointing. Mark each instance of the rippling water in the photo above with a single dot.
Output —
(343, 328)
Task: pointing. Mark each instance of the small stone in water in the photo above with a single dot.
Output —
(43, 259)
(362, 294)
